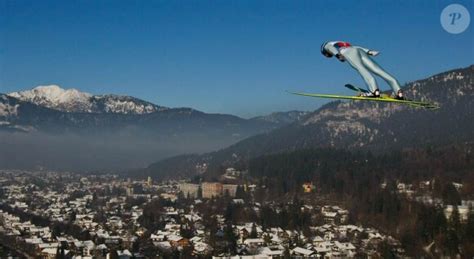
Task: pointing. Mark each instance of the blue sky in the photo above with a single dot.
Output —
(234, 57)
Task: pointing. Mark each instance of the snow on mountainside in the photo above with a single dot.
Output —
(7, 109)
(282, 117)
(444, 88)
(72, 100)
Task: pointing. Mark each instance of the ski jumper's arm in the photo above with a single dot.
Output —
(368, 51)
(331, 49)
(363, 49)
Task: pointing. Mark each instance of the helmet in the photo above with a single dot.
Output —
(324, 51)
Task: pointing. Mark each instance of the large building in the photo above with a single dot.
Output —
(231, 189)
(210, 190)
(129, 191)
(189, 189)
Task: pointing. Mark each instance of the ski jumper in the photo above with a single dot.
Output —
(359, 59)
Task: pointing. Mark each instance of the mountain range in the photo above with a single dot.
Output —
(72, 100)
(51, 127)
(357, 125)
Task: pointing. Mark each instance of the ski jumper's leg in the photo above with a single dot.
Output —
(376, 69)
(352, 56)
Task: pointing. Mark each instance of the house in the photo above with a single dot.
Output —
(178, 241)
(125, 254)
(343, 215)
(458, 186)
(253, 242)
(49, 253)
(84, 248)
(169, 196)
(245, 230)
(101, 249)
(308, 187)
(201, 248)
(424, 185)
(317, 240)
(299, 251)
(270, 252)
(462, 209)
(345, 248)
(163, 245)
(329, 217)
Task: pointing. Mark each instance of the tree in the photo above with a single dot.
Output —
(267, 239)
(72, 216)
(210, 223)
(231, 238)
(450, 195)
(199, 192)
(468, 237)
(455, 220)
(60, 254)
(452, 242)
(152, 215)
(181, 196)
(240, 192)
(229, 212)
(386, 250)
(186, 230)
(253, 232)
(113, 254)
(187, 252)
(452, 239)
(470, 225)
(56, 230)
(286, 253)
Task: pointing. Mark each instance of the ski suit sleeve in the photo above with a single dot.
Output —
(364, 49)
(331, 49)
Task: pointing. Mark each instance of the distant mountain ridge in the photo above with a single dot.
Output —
(282, 117)
(365, 125)
(67, 129)
(72, 100)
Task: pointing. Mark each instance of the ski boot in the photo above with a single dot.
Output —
(399, 95)
(375, 94)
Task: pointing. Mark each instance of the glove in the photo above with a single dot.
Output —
(372, 52)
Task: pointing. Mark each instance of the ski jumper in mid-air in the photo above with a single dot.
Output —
(359, 58)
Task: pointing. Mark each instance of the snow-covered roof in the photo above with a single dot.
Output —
(49, 251)
(174, 238)
(249, 241)
(302, 251)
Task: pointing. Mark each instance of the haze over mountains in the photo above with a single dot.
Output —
(379, 127)
(70, 130)
(56, 128)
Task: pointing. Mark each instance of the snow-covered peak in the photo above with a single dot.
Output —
(124, 104)
(52, 93)
(55, 97)
(73, 100)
